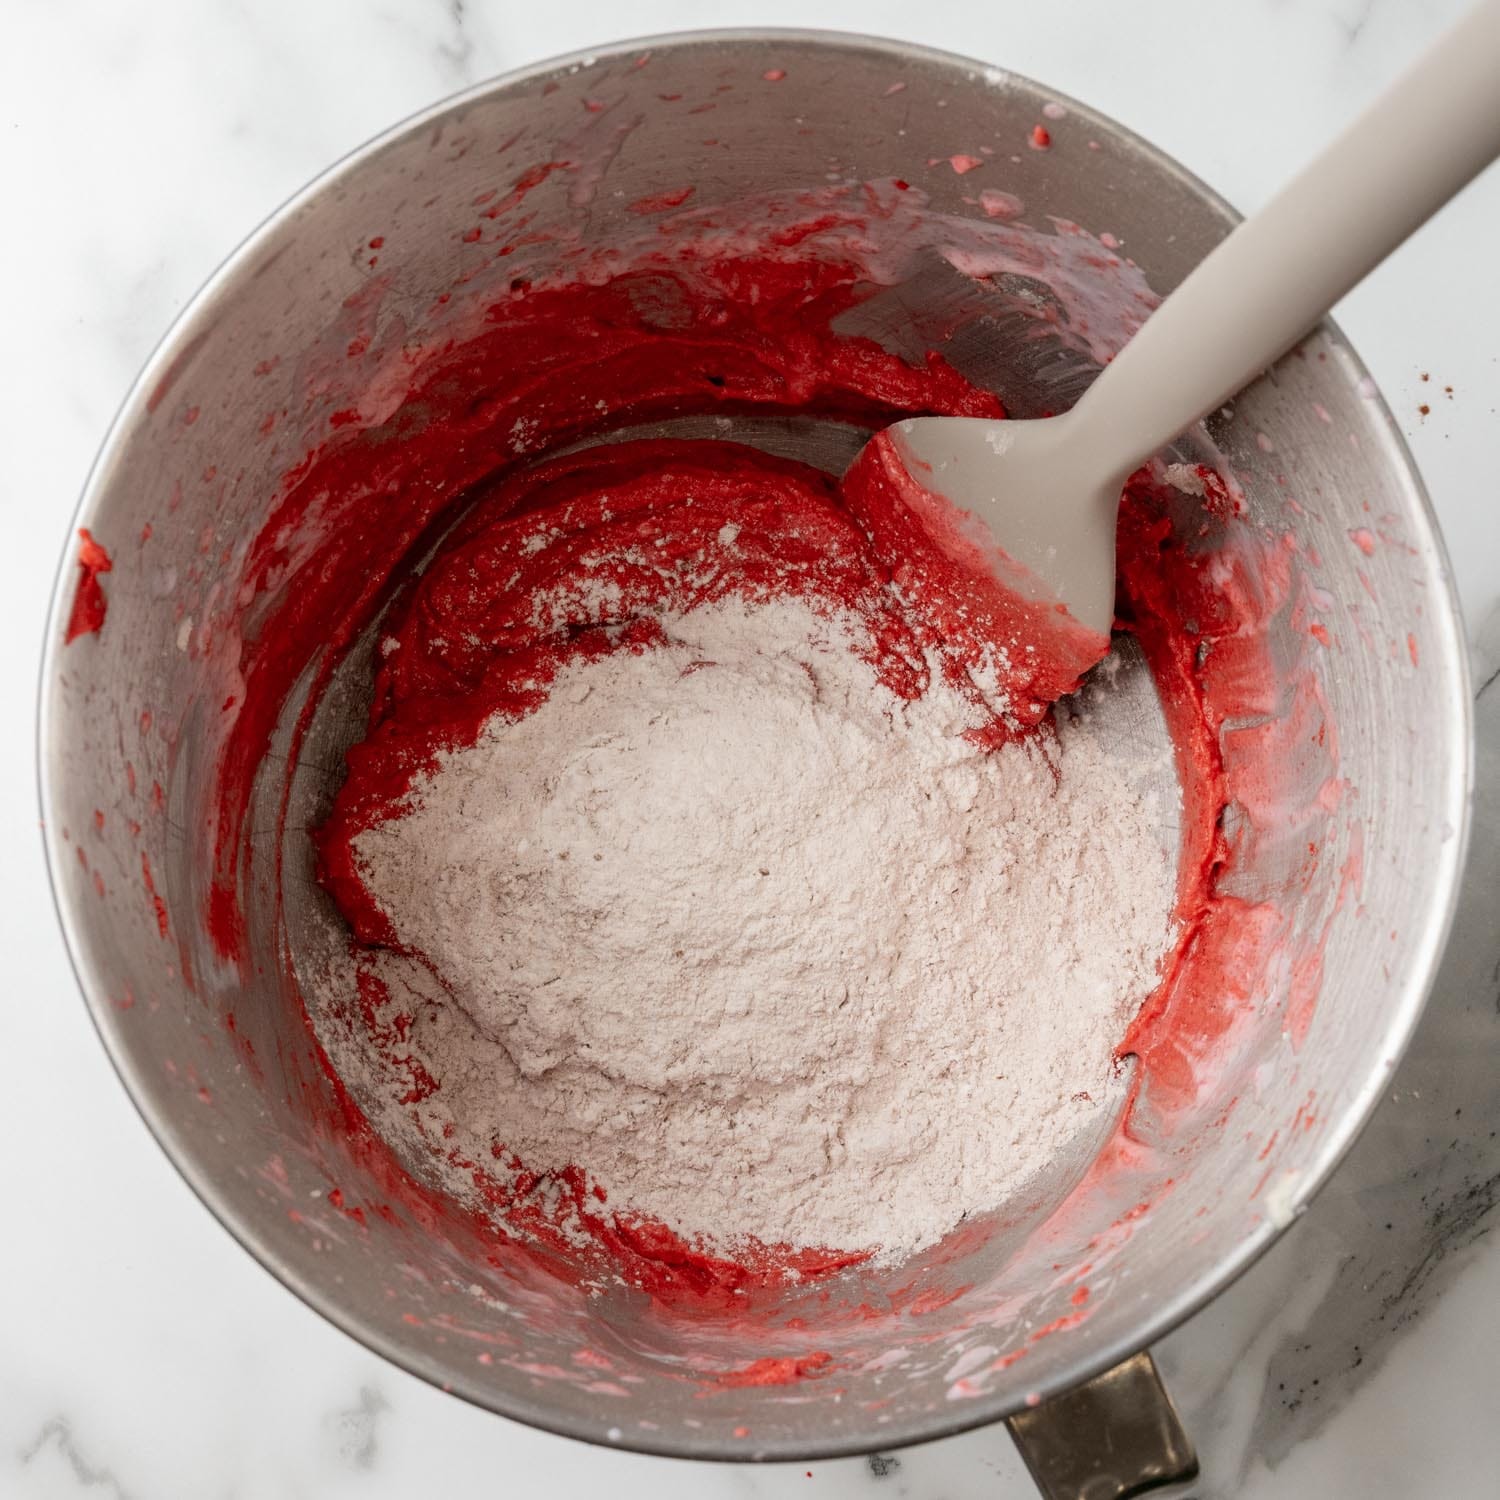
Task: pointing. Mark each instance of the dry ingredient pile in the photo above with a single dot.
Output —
(717, 897)
(768, 952)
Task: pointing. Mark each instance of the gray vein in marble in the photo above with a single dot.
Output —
(356, 1428)
(57, 1434)
(1221, 1385)
(1355, 25)
(458, 51)
(1454, 1225)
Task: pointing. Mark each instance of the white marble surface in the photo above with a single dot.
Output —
(142, 1354)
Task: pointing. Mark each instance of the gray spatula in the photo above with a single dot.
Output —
(1047, 491)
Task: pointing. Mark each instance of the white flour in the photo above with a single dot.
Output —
(764, 949)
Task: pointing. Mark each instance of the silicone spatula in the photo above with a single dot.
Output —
(1038, 499)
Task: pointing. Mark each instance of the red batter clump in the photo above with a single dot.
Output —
(89, 604)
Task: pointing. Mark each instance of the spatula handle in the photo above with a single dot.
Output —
(1276, 275)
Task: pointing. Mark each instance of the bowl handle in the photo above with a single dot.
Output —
(1115, 1436)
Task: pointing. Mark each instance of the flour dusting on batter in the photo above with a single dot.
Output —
(764, 949)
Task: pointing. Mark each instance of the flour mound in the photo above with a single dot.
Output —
(765, 950)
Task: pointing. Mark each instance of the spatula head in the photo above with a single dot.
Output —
(1033, 496)
(998, 519)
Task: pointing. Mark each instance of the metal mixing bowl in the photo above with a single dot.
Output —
(220, 1061)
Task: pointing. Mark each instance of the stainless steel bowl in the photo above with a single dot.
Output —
(220, 1062)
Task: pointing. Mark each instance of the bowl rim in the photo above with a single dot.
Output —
(1443, 885)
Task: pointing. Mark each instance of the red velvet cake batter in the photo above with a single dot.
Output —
(635, 526)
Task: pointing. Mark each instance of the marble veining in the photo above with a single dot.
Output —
(143, 1355)
(56, 1440)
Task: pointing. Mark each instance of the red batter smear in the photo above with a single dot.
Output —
(786, 1370)
(158, 906)
(89, 603)
(577, 556)
(1247, 731)
(976, 595)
